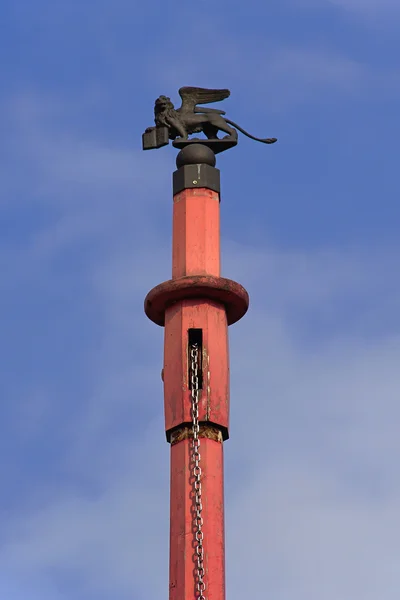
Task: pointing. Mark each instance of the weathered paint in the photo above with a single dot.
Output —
(182, 555)
(196, 235)
(196, 251)
(225, 291)
(214, 397)
(196, 297)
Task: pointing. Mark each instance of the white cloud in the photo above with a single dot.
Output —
(367, 6)
(371, 9)
(317, 513)
(278, 77)
(312, 460)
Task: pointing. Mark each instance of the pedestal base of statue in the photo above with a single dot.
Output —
(216, 145)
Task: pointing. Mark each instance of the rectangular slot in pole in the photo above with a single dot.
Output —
(195, 337)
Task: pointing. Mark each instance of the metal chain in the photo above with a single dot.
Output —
(198, 520)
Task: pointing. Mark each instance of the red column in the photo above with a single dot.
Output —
(196, 304)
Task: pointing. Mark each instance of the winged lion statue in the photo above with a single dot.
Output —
(189, 118)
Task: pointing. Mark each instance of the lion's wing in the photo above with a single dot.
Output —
(191, 96)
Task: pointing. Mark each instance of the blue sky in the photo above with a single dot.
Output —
(309, 226)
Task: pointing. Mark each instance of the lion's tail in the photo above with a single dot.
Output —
(263, 140)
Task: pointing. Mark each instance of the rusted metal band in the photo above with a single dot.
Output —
(186, 432)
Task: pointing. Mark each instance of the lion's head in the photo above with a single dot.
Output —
(162, 104)
(164, 113)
